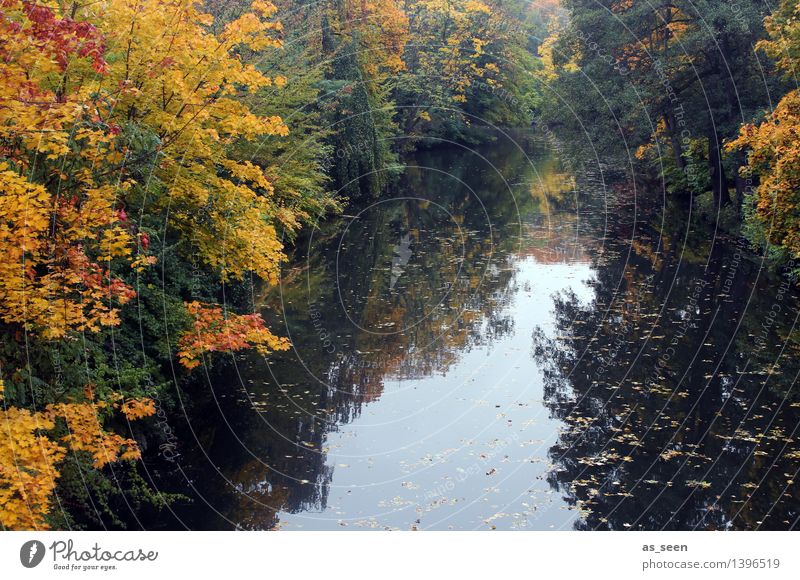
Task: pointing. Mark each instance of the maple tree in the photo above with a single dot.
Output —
(73, 85)
(449, 54)
(29, 458)
(115, 115)
(676, 77)
(184, 86)
(216, 330)
(58, 232)
(773, 157)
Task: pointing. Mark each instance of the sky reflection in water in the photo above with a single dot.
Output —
(489, 349)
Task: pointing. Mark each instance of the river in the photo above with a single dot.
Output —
(502, 342)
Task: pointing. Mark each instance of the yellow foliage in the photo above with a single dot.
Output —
(185, 83)
(74, 291)
(549, 71)
(218, 331)
(773, 146)
(382, 28)
(86, 434)
(28, 458)
(475, 6)
(138, 408)
(27, 468)
(774, 154)
(71, 78)
(454, 34)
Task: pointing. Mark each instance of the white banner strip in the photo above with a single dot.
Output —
(355, 555)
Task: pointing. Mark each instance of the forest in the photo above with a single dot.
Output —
(160, 160)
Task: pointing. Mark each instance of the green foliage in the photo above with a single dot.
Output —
(468, 65)
(661, 73)
(356, 120)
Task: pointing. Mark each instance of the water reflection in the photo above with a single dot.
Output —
(658, 392)
(676, 384)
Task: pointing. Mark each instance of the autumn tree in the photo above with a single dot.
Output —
(33, 443)
(773, 158)
(362, 45)
(77, 103)
(453, 46)
(121, 130)
(216, 330)
(61, 223)
(679, 77)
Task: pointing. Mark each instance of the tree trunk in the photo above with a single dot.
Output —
(675, 140)
(719, 183)
(741, 188)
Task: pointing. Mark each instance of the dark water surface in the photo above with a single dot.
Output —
(500, 344)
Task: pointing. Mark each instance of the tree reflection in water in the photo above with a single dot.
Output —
(398, 291)
(676, 384)
(666, 355)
